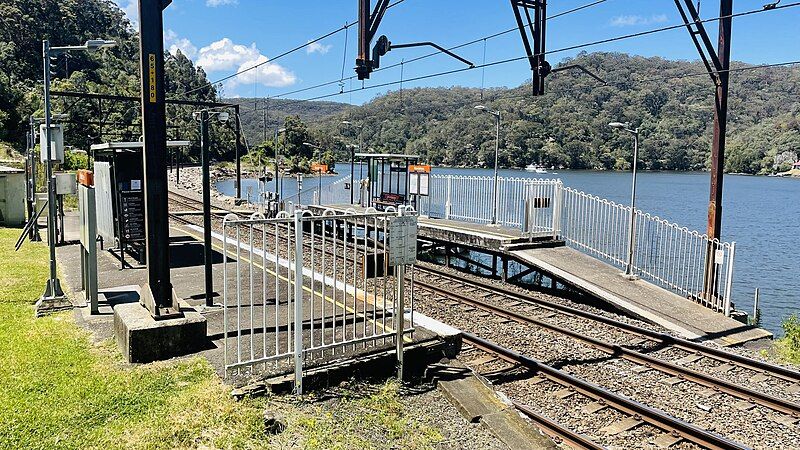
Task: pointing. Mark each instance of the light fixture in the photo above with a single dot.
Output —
(96, 44)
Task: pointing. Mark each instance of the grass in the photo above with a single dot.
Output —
(61, 391)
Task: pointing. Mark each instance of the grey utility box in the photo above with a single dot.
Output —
(57, 146)
(12, 196)
(66, 184)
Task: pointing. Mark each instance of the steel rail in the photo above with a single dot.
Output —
(557, 431)
(684, 373)
(652, 416)
(775, 370)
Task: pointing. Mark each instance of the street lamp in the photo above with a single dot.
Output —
(203, 117)
(632, 226)
(278, 131)
(319, 171)
(53, 296)
(353, 154)
(495, 194)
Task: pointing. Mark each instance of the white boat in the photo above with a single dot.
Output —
(535, 168)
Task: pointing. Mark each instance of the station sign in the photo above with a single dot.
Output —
(402, 240)
(419, 179)
(419, 168)
(319, 168)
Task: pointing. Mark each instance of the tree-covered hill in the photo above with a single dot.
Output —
(25, 23)
(567, 127)
(671, 102)
(265, 115)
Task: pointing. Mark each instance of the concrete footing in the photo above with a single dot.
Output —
(51, 305)
(143, 339)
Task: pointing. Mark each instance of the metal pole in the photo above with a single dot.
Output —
(30, 189)
(718, 144)
(157, 294)
(352, 174)
(53, 289)
(238, 127)
(756, 313)
(284, 151)
(297, 323)
(207, 250)
(400, 316)
(496, 177)
(277, 172)
(632, 224)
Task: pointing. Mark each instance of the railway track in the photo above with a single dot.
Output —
(475, 296)
(674, 429)
(697, 349)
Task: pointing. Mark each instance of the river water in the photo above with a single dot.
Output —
(761, 214)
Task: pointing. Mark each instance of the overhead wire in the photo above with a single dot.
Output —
(563, 49)
(437, 52)
(512, 93)
(285, 53)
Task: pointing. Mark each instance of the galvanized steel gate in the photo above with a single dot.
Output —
(301, 288)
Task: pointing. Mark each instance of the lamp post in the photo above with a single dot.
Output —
(277, 161)
(353, 155)
(208, 252)
(632, 226)
(319, 171)
(53, 295)
(495, 193)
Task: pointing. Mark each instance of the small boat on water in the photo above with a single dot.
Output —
(536, 168)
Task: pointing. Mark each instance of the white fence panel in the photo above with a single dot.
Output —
(298, 288)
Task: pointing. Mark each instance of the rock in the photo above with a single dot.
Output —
(274, 423)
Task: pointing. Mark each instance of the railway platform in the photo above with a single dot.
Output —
(640, 298)
(602, 282)
(259, 321)
(457, 233)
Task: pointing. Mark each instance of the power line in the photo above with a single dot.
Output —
(520, 58)
(288, 52)
(512, 94)
(437, 52)
(563, 49)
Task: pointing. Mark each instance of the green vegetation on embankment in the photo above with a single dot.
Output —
(789, 345)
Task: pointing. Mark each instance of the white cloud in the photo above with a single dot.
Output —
(636, 20)
(174, 43)
(225, 55)
(316, 47)
(215, 3)
(130, 8)
(267, 73)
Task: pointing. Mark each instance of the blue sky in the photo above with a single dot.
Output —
(225, 36)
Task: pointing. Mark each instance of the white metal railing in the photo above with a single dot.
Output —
(523, 203)
(664, 253)
(302, 286)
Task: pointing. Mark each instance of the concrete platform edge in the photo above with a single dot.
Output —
(478, 402)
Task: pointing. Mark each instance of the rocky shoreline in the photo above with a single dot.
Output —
(191, 180)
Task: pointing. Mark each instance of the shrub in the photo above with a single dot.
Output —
(790, 344)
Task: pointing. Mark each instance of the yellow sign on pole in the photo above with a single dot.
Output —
(152, 77)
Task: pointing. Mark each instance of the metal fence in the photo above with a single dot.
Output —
(664, 253)
(528, 204)
(299, 289)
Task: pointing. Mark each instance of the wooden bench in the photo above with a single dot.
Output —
(389, 199)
